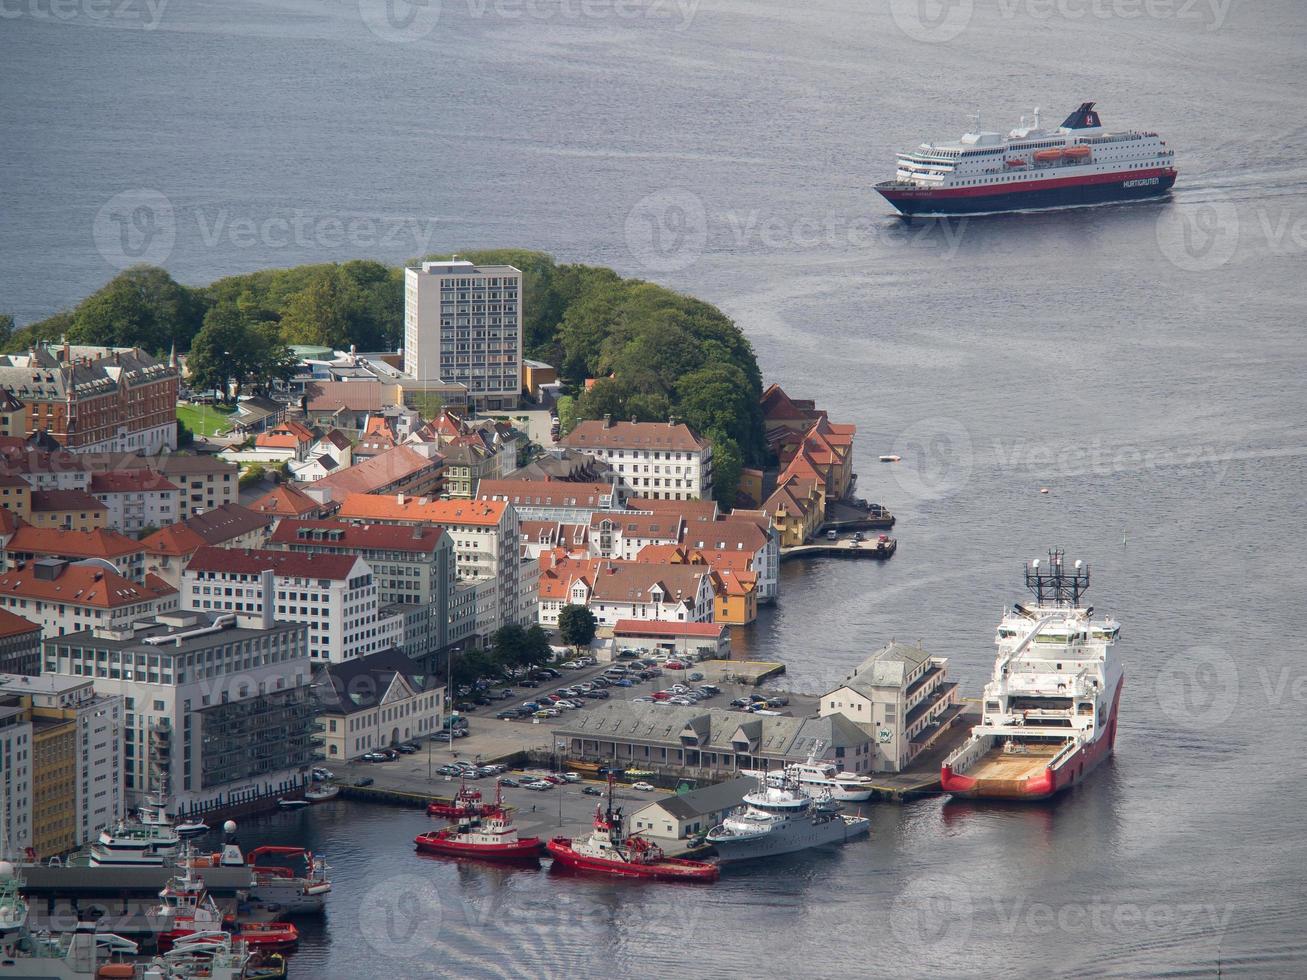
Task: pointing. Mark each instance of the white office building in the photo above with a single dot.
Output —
(463, 324)
(335, 595)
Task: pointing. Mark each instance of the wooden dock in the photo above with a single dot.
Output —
(844, 548)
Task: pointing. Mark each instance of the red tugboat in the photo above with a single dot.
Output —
(467, 801)
(486, 833)
(609, 851)
(187, 909)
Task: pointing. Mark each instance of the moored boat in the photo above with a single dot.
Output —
(291, 878)
(321, 792)
(1049, 711)
(149, 840)
(781, 818)
(466, 801)
(610, 851)
(487, 834)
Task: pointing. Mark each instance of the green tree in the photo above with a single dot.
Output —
(576, 625)
(6, 330)
(140, 307)
(185, 437)
(726, 466)
(232, 349)
(323, 312)
(566, 412)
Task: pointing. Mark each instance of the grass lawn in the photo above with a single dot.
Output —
(205, 420)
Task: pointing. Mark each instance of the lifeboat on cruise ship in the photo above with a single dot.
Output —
(1078, 153)
(1015, 162)
(1049, 156)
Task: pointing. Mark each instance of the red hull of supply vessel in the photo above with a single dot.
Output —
(465, 802)
(667, 869)
(1049, 710)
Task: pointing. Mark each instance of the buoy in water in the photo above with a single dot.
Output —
(1043, 489)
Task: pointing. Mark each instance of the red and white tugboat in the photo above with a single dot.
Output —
(466, 801)
(487, 834)
(187, 908)
(1049, 712)
(292, 878)
(609, 851)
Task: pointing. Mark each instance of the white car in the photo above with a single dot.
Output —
(572, 777)
(643, 787)
(539, 785)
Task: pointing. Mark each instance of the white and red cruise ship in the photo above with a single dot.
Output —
(1049, 712)
(1077, 164)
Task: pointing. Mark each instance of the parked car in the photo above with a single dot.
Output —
(643, 787)
(461, 732)
(696, 676)
(832, 535)
(740, 703)
(572, 777)
(592, 791)
(406, 749)
(528, 682)
(601, 682)
(363, 781)
(643, 699)
(373, 757)
(509, 781)
(509, 714)
(539, 785)
(442, 737)
(623, 683)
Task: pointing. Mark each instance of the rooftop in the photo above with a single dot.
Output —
(668, 629)
(343, 534)
(403, 507)
(606, 434)
(381, 471)
(78, 584)
(253, 561)
(226, 522)
(167, 625)
(100, 543)
(132, 481)
(45, 501)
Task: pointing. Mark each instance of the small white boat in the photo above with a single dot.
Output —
(293, 804)
(320, 793)
(191, 829)
(890, 458)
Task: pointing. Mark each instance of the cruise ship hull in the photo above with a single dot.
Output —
(987, 778)
(1034, 194)
(793, 835)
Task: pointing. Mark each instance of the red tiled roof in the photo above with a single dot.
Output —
(12, 624)
(386, 507)
(659, 627)
(388, 537)
(287, 435)
(83, 585)
(226, 522)
(593, 434)
(286, 501)
(61, 500)
(538, 493)
(101, 543)
(252, 561)
(175, 539)
(379, 472)
(132, 481)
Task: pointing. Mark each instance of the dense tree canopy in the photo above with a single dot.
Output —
(657, 353)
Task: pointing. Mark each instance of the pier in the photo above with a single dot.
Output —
(843, 548)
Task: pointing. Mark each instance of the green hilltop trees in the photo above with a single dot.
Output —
(656, 353)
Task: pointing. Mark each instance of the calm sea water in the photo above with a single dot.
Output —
(1143, 363)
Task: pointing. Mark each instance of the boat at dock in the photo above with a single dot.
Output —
(186, 908)
(466, 801)
(781, 818)
(321, 792)
(610, 851)
(149, 840)
(290, 878)
(487, 834)
(818, 779)
(1049, 710)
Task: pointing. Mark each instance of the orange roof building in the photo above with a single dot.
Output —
(124, 554)
(65, 598)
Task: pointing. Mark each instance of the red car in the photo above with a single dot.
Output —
(660, 695)
(674, 665)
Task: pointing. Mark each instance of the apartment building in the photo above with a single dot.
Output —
(215, 713)
(77, 744)
(334, 595)
(169, 549)
(616, 591)
(661, 460)
(67, 510)
(136, 499)
(15, 774)
(414, 470)
(535, 500)
(126, 556)
(20, 645)
(95, 399)
(900, 695)
(68, 597)
(463, 324)
(487, 548)
(412, 565)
